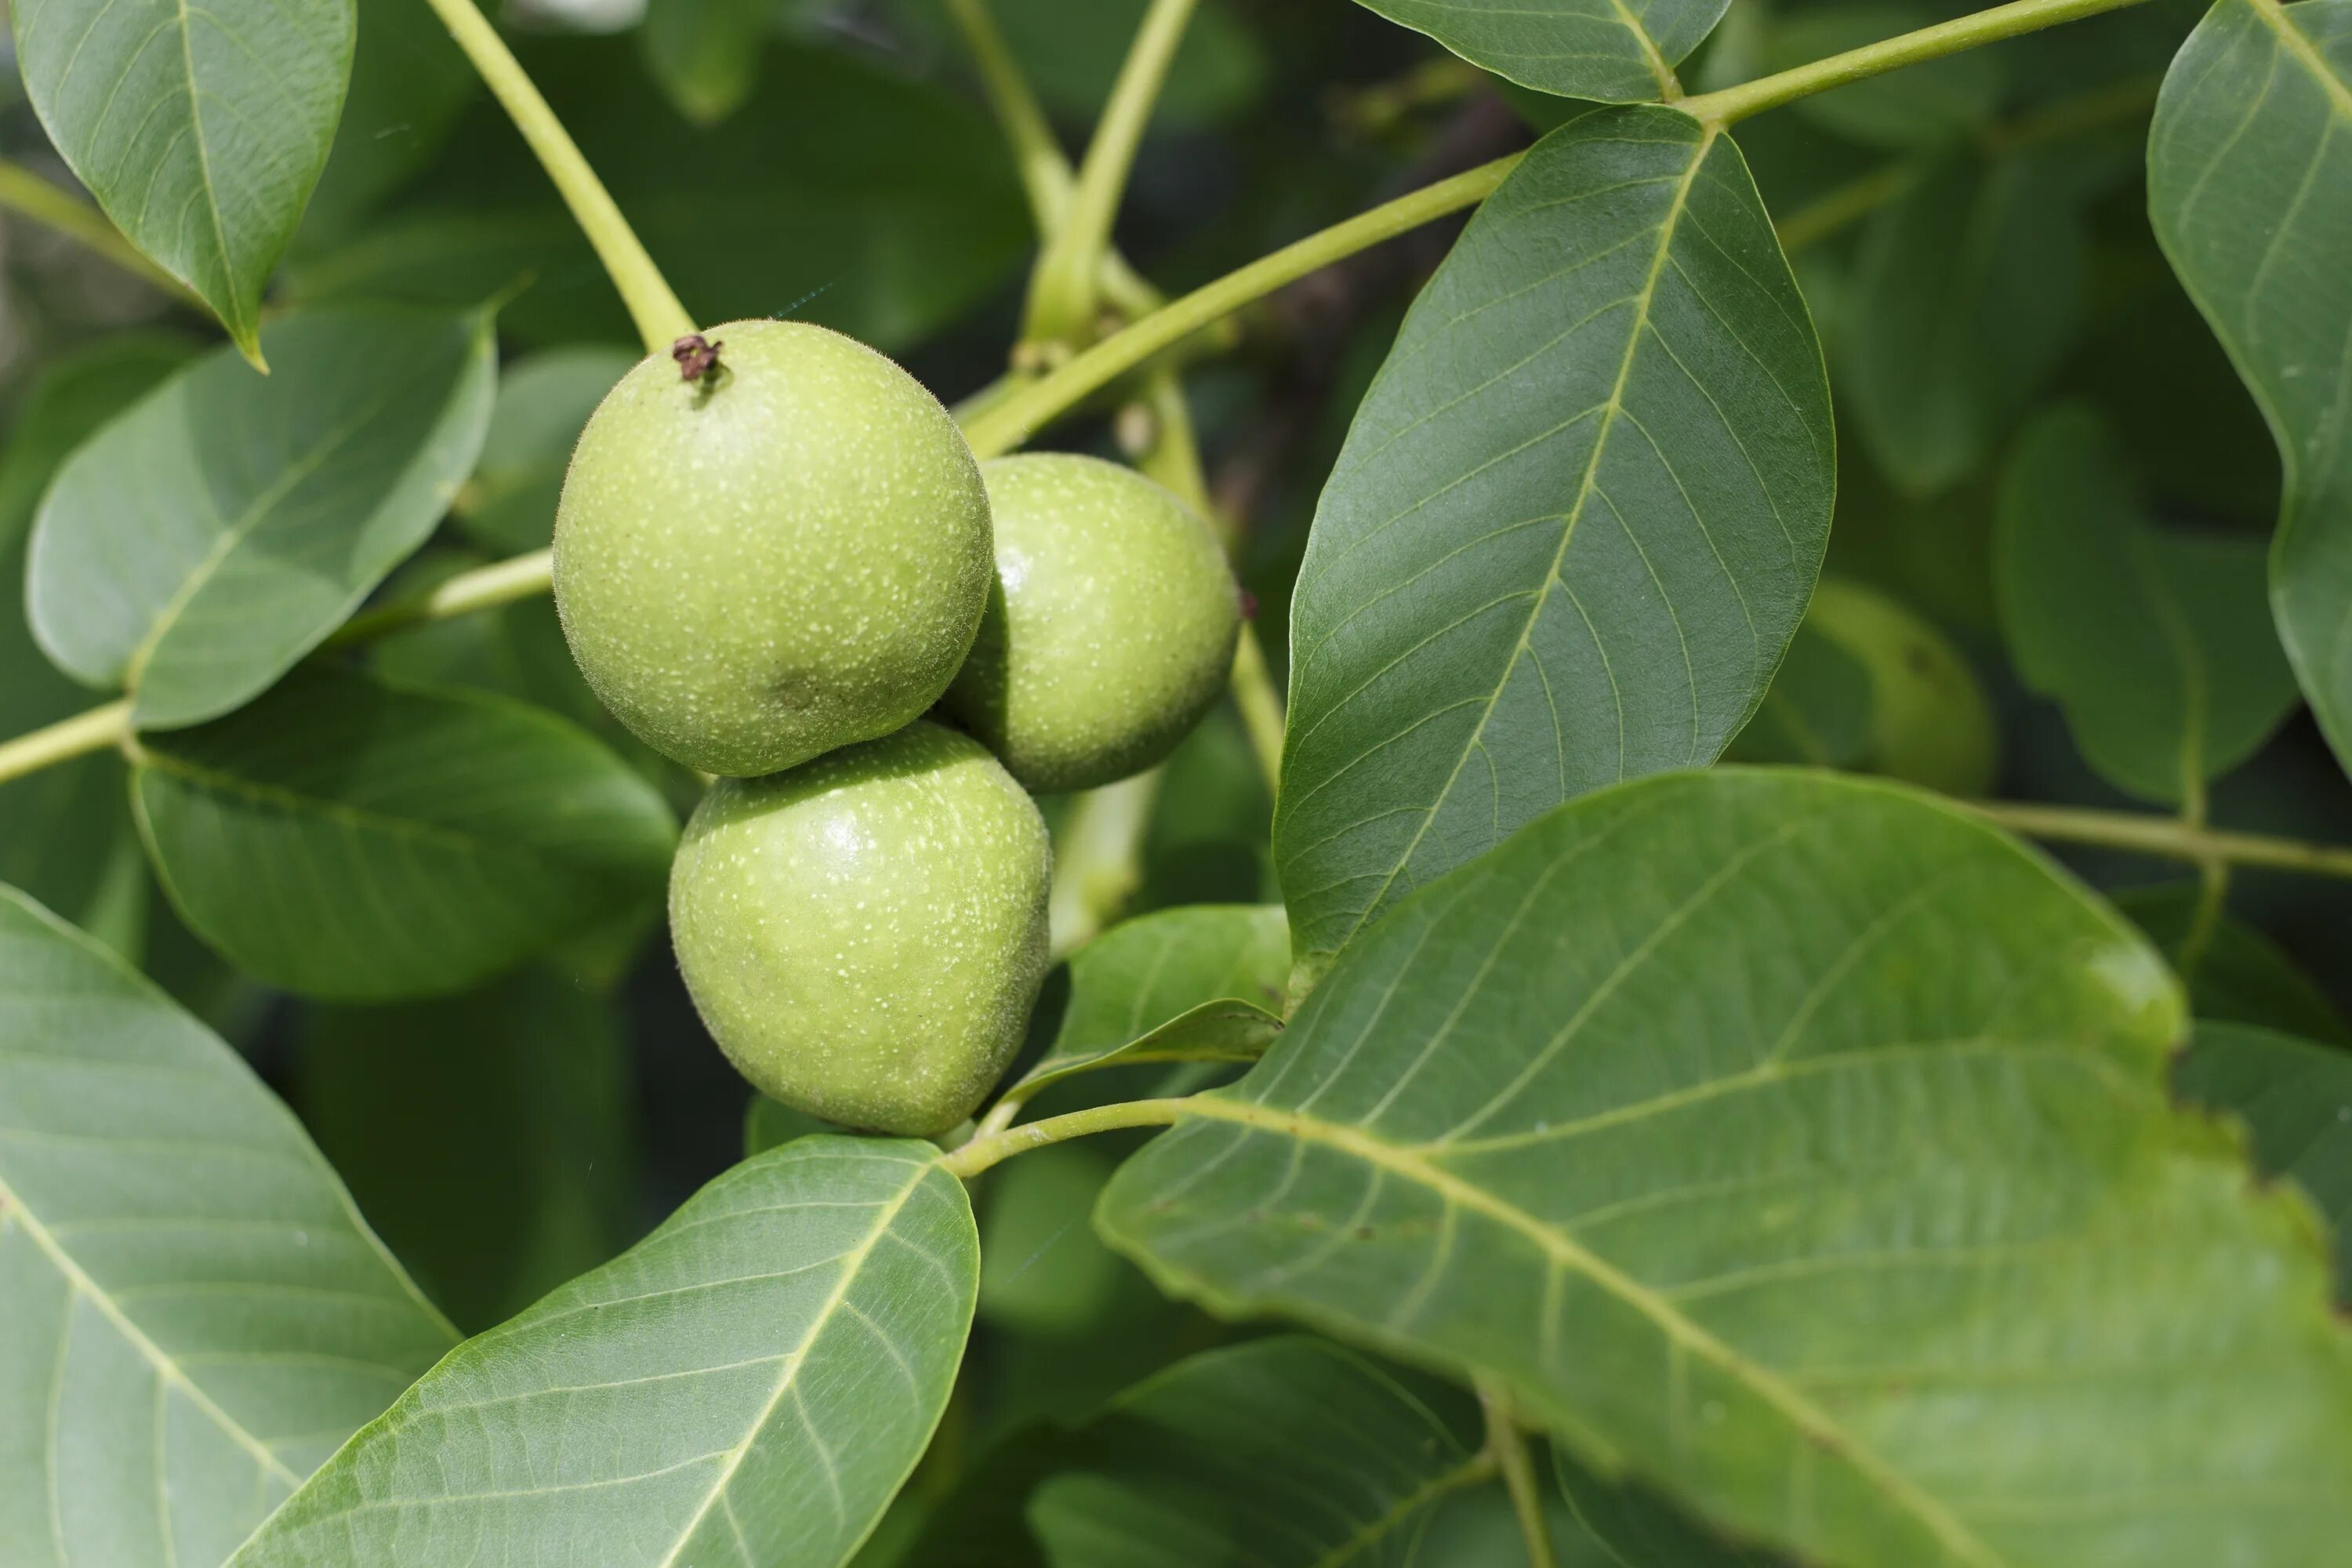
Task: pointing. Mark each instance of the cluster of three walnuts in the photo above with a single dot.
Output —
(772, 569)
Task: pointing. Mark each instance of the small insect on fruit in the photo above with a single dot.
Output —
(697, 356)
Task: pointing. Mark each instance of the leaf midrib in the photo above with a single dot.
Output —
(2297, 42)
(1643, 305)
(853, 1265)
(1564, 1252)
(82, 1285)
(236, 530)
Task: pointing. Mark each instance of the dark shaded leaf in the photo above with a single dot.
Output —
(361, 842)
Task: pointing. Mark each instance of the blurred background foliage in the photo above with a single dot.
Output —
(1971, 237)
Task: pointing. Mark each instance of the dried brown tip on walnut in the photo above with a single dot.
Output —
(696, 355)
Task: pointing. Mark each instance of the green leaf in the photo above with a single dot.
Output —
(770, 1124)
(706, 53)
(2296, 1100)
(63, 830)
(543, 404)
(1613, 51)
(1967, 294)
(196, 547)
(2155, 640)
(1633, 1529)
(1574, 526)
(2234, 974)
(1204, 982)
(194, 1314)
(911, 215)
(1281, 1453)
(199, 129)
(361, 842)
(748, 1386)
(541, 1120)
(409, 83)
(1798, 1144)
(1043, 1270)
(2250, 186)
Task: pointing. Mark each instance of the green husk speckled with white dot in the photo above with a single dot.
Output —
(787, 556)
(1111, 631)
(866, 934)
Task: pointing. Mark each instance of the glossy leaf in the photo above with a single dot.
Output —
(1574, 526)
(201, 130)
(2234, 974)
(1204, 982)
(910, 217)
(2250, 186)
(63, 830)
(1967, 291)
(2296, 1101)
(192, 1314)
(522, 1090)
(196, 547)
(543, 404)
(1281, 1453)
(1612, 51)
(2156, 641)
(760, 1375)
(357, 841)
(1798, 1144)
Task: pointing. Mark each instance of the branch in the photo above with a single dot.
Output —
(2166, 838)
(1508, 1446)
(1062, 291)
(660, 319)
(1734, 104)
(990, 1148)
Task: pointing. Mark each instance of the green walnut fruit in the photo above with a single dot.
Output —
(864, 936)
(1930, 721)
(1111, 629)
(787, 555)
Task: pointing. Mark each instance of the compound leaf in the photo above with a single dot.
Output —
(362, 842)
(1610, 51)
(749, 1386)
(2156, 640)
(196, 547)
(1574, 525)
(194, 1314)
(1799, 1144)
(2250, 186)
(200, 128)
